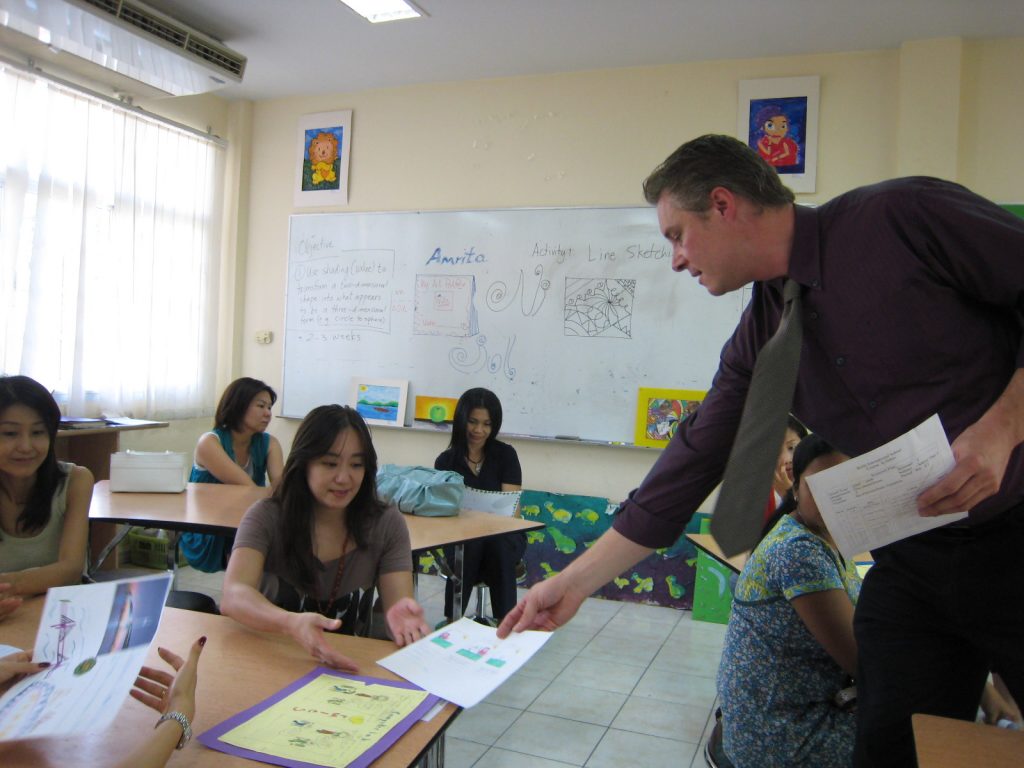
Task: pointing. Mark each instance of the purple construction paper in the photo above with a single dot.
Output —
(211, 738)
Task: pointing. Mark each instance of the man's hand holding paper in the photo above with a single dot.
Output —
(872, 500)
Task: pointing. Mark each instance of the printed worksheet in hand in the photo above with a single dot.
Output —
(871, 500)
(464, 661)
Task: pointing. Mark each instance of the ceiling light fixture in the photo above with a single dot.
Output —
(376, 11)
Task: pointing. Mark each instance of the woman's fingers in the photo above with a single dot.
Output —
(171, 658)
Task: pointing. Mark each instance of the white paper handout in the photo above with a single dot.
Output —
(871, 500)
(464, 661)
(96, 637)
(502, 503)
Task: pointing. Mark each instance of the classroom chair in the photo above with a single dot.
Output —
(714, 752)
(478, 614)
(191, 601)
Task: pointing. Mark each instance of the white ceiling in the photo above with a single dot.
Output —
(319, 46)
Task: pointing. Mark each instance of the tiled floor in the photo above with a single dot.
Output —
(621, 685)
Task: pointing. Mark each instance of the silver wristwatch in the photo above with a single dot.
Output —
(182, 720)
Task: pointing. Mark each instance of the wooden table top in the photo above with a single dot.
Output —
(215, 508)
(469, 525)
(202, 507)
(706, 542)
(945, 743)
(109, 428)
(238, 668)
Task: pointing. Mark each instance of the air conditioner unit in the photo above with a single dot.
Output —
(129, 38)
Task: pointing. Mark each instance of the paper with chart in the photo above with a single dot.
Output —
(325, 718)
(495, 502)
(96, 636)
(464, 661)
(871, 500)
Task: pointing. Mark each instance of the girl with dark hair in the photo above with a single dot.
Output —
(44, 503)
(305, 560)
(782, 481)
(789, 648)
(238, 451)
(486, 464)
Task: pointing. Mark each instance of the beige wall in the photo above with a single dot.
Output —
(589, 139)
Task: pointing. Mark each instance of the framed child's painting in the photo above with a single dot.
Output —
(778, 118)
(325, 141)
(439, 410)
(381, 401)
(659, 412)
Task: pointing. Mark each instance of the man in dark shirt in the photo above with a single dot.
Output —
(913, 304)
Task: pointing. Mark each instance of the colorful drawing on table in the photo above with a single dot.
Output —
(574, 523)
(381, 401)
(96, 637)
(660, 412)
(326, 718)
(463, 662)
(438, 410)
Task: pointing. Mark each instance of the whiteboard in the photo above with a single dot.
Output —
(563, 312)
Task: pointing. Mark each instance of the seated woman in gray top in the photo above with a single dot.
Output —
(44, 503)
(303, 558)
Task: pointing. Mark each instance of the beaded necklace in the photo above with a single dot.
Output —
(322, 607)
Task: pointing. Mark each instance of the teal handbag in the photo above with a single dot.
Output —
(421, 490)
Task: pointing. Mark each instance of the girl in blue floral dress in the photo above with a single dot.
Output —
(789, 646)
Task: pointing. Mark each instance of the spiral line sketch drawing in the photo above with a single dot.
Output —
(472, 361)
(599, 306)
(499, 299)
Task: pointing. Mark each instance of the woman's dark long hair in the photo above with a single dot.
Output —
(810, 448)
(314, 438)
(478, 397)
(21, 390)
(235, 401)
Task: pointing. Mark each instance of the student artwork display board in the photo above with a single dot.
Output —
(563, 312)
(574, 523)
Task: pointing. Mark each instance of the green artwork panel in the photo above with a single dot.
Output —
(712, 593)
(575, 522)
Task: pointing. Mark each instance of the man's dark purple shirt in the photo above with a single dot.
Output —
(913, 304)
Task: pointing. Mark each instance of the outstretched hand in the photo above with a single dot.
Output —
(164, 692)
(547, 606)
(307, 629)
(406, 623)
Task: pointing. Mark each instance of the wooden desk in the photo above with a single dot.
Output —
(238, 668)
(945, 743)
(202, 508)
(706, 542)
(213, 508)
(433, 533)
(469, 525)
(92, 447)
